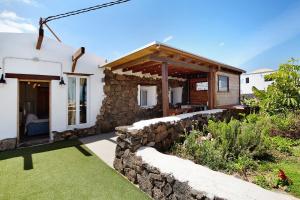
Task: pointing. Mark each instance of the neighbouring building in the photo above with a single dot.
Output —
(58, 92)
(256, 79)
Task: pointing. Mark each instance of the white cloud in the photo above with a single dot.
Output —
(27, 2)
(11, 22)
(170, 37)
(221, 44)
(271, 34)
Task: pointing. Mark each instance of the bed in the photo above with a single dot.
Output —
(35, 126)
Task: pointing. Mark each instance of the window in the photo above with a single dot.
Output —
(143, 96)
(201, 86)
(83, 98)
(71, 101)
(247, 80)
(147, 96)
(77, 100)
(223, 83)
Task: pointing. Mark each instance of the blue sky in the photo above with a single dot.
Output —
(248, 34)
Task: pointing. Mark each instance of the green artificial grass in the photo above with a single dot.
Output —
(63, 170)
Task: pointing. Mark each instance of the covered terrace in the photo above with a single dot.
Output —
(166, 62)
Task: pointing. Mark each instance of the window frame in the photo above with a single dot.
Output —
(78, 124)
(149, 94)
(247, 78)
(201, 82)
(219, 78)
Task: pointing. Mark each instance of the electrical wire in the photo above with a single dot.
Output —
(84, 10)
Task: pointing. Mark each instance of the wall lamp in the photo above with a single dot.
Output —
(62, 82)
(2, 79)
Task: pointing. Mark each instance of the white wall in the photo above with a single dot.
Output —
(8, 109)
(47, 61)
(255, 79)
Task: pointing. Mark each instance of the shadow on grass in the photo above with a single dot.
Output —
(27, 152)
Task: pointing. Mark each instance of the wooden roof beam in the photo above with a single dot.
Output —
(140, 67)
(76, 57)
(40, 38)
(132, 63)
(180, 64)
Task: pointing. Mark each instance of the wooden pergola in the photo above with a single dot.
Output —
(165, 61)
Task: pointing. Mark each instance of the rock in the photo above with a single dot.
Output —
(180, 188)
(118, 164)
(145, 184)
(157, 194)
(161, 128)
(8, 144)
(122, 144)
(170, 179)
(167, 189)
(172, 197)
(151, 144)
(155, 177)
(161, 136)
(131, 175)
(159, 184)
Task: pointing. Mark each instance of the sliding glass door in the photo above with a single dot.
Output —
(77, 100)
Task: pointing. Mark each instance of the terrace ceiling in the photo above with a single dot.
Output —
(149, 59)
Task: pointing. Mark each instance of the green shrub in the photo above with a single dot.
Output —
(243, 164)
(238, 138)
(262, 181)
(208, 154)
(284, 145)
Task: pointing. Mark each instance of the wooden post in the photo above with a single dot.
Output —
(40, 38)
(211, 88)
(165, 88)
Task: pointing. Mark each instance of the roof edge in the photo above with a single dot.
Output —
(157, 43)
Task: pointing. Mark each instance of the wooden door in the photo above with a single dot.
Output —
(198, 97)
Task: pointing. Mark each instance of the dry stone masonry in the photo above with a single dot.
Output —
(161, 136)
(8, 144)
(72, 134)
(120, 106)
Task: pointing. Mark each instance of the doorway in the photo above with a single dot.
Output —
(34, 112)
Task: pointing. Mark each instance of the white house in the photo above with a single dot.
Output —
(34, 85)
(49, 95)
(255, 78)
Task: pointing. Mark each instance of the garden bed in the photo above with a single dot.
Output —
(157, 175)
(247, 149)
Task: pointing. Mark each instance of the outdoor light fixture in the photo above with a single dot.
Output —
(2, 80)
(62, 82)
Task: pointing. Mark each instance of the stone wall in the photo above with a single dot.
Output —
(153, 182)
(8, 144)
(160, 136)
(120, 106)
(72, 134)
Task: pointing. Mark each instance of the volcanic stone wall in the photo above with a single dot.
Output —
(160, 136)
(120, 106)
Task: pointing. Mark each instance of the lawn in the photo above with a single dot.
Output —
(63, 170)
(291, 166)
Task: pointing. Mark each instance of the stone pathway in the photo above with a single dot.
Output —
(103, 145)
